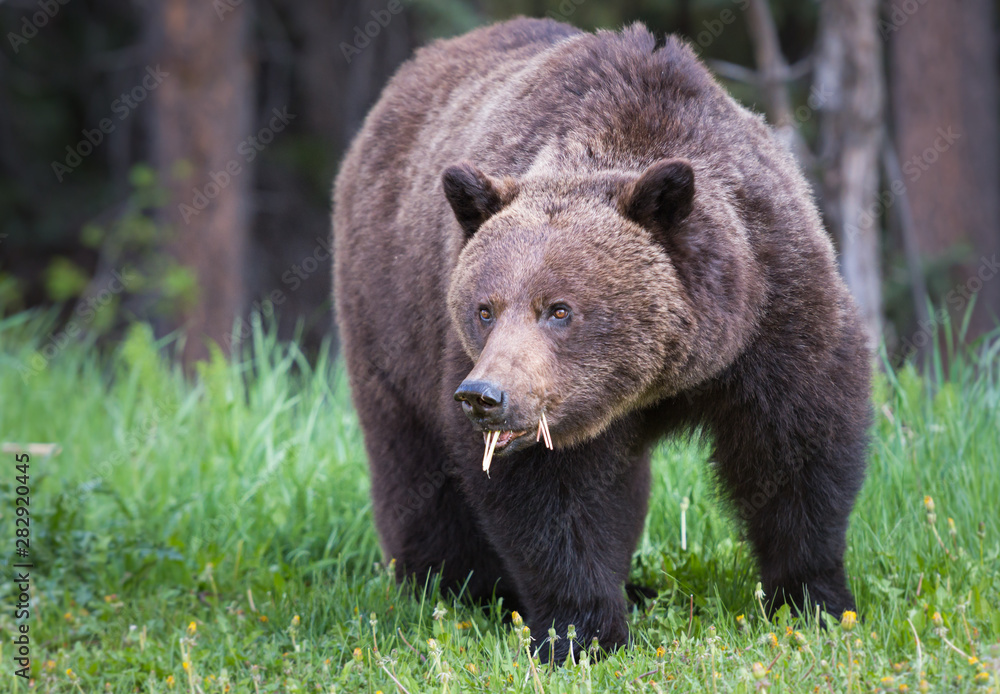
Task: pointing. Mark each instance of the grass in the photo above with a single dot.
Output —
(215, 535)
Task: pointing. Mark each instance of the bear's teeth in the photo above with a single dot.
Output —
(491, 442)
(543, 431)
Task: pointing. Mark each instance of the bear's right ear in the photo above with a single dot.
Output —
(663, 195)
(474, 196)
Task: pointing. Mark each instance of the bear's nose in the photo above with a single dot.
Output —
(482, 397)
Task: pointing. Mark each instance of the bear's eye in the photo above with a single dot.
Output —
(559, 312)
(485, 315)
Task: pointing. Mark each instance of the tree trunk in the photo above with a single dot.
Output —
(202, 112)
(849, 93)
(944, 91)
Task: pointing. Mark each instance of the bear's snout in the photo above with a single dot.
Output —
(482, 401)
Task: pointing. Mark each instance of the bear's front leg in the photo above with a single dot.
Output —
(565, 524)
(791, 441)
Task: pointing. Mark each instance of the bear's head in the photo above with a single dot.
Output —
(566, 298)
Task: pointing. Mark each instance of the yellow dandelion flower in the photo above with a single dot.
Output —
(660, 651)
(186, 665)
(982, 677)
(888, 681)
(973, 660)
(515, 617)
(192, 628)
(937, 619)
(68, 617)
(263, 618)
(929, 504)
(357, 655)
(50, 665)
(904, 687)
(471, 667)
(70, 673)
(296, 621)
(759, 671)
(848, 620)
(170, 680)
(924, 687)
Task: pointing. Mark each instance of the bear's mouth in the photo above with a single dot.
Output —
(497, 440)
(502, 437)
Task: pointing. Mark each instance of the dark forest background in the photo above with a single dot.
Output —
(171, 161)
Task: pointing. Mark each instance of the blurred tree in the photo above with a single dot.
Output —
(203, 110)
(303, 67)
(849, 94)
(944, 78)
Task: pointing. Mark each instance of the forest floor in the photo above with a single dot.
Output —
(215, 535)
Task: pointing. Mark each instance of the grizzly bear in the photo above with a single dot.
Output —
(537, 223)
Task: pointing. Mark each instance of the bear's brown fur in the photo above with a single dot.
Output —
(587, 225)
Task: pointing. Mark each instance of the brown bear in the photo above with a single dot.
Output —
(542, 223)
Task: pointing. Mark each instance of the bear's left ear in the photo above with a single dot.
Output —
(663, 195)
(474, 196)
